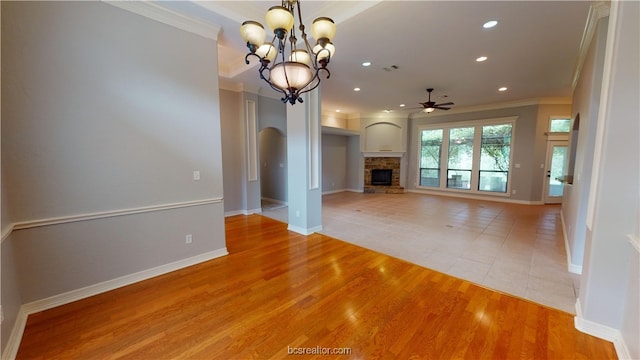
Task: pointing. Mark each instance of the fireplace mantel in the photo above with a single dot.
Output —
(383, 153)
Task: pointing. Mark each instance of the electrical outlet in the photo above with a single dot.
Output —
(513, 191)
(188, 239)
(297, 213)
(196, 175)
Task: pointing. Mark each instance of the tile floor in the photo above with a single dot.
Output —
(516, 249)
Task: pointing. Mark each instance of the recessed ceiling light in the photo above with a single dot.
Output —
(338, 110)
(402, 105)
(387, 111)
(356, 89)
(366, 63)
(481, 59)
(504, 88)
(490, 24)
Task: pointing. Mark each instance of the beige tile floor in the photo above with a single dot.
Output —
(516, 249)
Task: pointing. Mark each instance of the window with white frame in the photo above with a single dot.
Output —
(470, 156)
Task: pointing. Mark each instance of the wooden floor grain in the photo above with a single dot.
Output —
(278, 290)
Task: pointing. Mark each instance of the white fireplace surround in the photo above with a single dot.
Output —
(383, 153)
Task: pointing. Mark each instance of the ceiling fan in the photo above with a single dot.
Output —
(430, 106)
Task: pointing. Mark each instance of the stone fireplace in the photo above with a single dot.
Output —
(372, 184)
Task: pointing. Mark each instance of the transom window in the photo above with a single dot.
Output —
(473, 157)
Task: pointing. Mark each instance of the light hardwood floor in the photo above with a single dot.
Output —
(278, 290)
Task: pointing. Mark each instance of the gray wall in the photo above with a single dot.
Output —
(609, 285)
(104, 110)
(233, 156)
(355, 164)
(273, 164)
(334, 162)
(586, 102)
(529, 139)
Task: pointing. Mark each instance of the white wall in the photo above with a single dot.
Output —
(105, 115)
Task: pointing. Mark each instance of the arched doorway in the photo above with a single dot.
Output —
(273, 168)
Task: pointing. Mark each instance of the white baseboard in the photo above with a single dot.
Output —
(342, 190)
(603, 332)
(252, 211)
(33, 307)
(571, 267)
(275, 201)
(503, 199)
(234, 213)
(304, 231)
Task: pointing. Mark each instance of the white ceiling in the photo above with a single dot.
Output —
(533, 50)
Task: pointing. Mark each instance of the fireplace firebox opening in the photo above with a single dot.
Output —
(381, 177)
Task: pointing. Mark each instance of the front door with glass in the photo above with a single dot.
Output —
(555, 169)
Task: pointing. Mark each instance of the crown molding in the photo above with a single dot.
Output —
(169, 17)
(597, 11)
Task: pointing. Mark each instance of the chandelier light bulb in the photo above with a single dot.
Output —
(253, 33)
(291, 75)
(323, 52)
(300, 56)
(323, 28)
(279, 19)
(267, 51)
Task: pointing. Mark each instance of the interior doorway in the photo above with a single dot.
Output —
(556, 170)
(273, 168)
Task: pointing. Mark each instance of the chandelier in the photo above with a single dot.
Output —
(286, 68)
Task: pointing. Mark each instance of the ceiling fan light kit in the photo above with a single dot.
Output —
(431, 106)
(283, 66)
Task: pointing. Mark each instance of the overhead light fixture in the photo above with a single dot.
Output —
(481, 59)
(490, 24)
(366, 63)
(504, 88)
(429, 110)
(356, 89)
(283, 66)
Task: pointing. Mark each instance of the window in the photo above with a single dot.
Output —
(471, 156)
(495, 152)
(431, 150)
(460, 158)
(560, 125)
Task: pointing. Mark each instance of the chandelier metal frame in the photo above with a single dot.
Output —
(288, 75)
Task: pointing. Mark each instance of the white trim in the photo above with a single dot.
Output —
(383, 153)
(303, 231)
(251, 123)
(13, 344)
(6, 232)
(333, 191)
(471, 196)
(234, 213)
(252, 211)
(635, 242)
(113, 213)
(596, 12)
(603, 332)
(603, 112)
(571, 267)
(65, 298)
(154, 11)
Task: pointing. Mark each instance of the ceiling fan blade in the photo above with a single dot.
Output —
(445, 104)
(441, 108)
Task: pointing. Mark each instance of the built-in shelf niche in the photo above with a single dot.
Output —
(383, 137)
